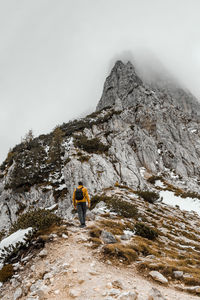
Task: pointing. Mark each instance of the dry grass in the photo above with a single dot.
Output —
(115, 227)
(120, 251)
(94, 232)
(177, 247)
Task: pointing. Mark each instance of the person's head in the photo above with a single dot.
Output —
(80, 183)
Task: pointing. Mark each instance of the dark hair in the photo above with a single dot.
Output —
(80, 183)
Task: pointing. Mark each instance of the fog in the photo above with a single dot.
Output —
(55, 55)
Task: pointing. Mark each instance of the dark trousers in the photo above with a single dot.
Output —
(81, 209)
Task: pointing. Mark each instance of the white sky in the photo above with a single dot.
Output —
(56, 54)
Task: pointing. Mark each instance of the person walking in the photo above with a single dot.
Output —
(80, 196)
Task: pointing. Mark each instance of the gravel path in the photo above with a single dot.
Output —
(87, 277)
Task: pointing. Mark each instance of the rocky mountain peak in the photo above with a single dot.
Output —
(119, 84)
(129, 85)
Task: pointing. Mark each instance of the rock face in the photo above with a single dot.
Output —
(138, 130)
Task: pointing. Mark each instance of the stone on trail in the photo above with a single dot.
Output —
(117, 284)
(74, 293)
(17, 294)
(155, 294)
(108, 237)
(43, 253)
(128, 296)
(158, 277)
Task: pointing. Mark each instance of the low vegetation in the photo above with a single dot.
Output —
(149, 196)
(123, 252)
(145, 231)
(154, 178)
(115, 204)
(6, 272)
(39, 219)
(90, 145)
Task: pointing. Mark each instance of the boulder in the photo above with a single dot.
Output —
(178, 274)
(108, 237)
(158, 277)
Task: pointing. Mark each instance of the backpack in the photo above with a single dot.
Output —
(79, 194)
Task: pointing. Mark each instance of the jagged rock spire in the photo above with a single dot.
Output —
(121, 81)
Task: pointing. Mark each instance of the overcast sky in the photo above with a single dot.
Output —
(56, 54)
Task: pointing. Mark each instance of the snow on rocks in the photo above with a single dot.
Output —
(158, 277)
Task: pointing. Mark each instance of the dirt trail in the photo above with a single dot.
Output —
(86, 277)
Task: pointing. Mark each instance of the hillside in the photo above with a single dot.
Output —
(78, 263)
(137, 153)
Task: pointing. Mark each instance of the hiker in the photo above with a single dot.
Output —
(80, 196)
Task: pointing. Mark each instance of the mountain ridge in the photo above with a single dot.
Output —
(133, 128)
(139, 147)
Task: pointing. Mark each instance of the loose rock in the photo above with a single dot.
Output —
(108, 237)
(128, 296)
(155, 294)
(17, 294)
(158, 277)
(43, 253)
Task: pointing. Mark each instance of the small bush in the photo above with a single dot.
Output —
(153, 179)
(98, 198)
(83, 158)
(122, 208)
(90, 145)
(145, 231)
(148, 196)
(60, 194)
(39, 219)
(6, 273)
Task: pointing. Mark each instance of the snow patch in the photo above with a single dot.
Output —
(188, 203)
(16, 237)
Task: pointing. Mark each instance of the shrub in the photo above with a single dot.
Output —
(59, 194)
(2, 234)
(6, 273)
(83, 158)
(90, 145)
(153, 179)
(29, 168)
(122, 208)
(98, 198)
(39, 219)
(145, 231)
(148, 196)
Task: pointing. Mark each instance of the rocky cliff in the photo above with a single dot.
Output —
(139, 130)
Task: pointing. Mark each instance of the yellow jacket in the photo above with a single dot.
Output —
(85, 196)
